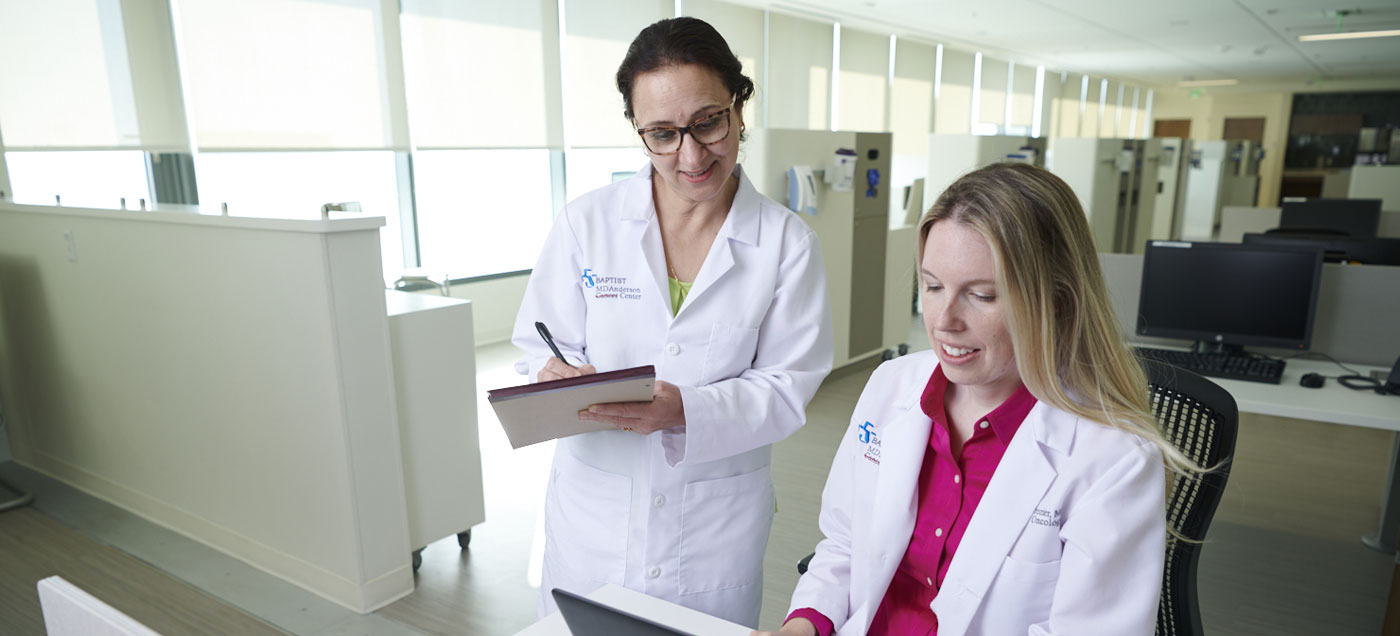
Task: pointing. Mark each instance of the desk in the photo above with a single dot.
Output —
(1335, 404)
(648, 607)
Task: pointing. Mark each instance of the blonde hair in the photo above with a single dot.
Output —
(1069, 349)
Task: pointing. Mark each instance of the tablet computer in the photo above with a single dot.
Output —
(590, 618)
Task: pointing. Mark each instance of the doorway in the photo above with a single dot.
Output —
(1172, 128)
(1251, 128)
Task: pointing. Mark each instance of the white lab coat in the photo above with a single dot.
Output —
(1069, 537)
(682, 515)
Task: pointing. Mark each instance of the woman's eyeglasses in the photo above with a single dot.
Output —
(708, 130)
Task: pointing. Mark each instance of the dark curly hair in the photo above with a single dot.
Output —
(676, 42)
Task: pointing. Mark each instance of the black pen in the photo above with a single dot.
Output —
(549, 340)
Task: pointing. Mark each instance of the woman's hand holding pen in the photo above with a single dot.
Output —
(557, 369)
(663, 411)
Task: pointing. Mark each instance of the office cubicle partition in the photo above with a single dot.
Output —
(229, 378)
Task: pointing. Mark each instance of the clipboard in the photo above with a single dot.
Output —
(534, 413)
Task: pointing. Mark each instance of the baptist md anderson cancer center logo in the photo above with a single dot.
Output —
(868, 437)
(609, 286)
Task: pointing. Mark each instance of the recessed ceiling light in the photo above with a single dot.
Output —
(1214, 82)
(1349, 35)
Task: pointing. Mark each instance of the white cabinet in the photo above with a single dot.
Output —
(435, 381)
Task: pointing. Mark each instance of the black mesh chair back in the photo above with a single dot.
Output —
(1201, 419)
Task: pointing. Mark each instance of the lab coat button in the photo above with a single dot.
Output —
(659, 501)
(653, 572)
(957, 479)
(938, 532)
(984, 424)
(929, 580)
(673, 348)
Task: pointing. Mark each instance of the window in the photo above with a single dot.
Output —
(991, 112)
(84, 179)
(597, 36)
(588, 169)
(482, 212)
(864, 80)
(476, 75)
(742, 28)
(911, 113)
(1022, 101)
(484, 110)
(118, 76)
(294, 185)
(799, 89)
(289, 74)
(952, 108)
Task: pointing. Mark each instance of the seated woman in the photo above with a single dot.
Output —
(1011, 480)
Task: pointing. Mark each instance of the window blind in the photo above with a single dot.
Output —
(598, 34)
(477, 74)
(119, 88)
(799, 90)
(911, 97)
(293, 74)
(864, 77)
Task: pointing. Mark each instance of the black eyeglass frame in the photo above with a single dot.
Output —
(684, 130)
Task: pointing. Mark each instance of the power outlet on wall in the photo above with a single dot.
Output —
(72, 245)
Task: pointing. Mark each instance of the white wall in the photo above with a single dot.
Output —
(1376, 182)
(494, 305)
(1208, 114)
(228, 378)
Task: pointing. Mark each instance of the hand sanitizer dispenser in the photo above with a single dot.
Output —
(842, 173)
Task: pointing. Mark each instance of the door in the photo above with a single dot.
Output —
(1172, 128)
(1251, 128)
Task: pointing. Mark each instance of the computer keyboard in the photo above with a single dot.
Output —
(1219, 365)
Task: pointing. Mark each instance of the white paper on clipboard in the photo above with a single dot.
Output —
(535, 413)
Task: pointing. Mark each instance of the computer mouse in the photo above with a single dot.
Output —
(1312, 380)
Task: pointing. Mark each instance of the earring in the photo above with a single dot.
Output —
(742, 128)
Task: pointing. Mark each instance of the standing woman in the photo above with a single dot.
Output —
(684, 266)
(1010, 480)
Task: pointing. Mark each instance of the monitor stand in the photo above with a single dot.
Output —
(1203, 346)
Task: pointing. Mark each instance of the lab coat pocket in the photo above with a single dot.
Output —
(730, 352)
(1022, 593)
(587, 512)
(1014, 569)
(724, 531)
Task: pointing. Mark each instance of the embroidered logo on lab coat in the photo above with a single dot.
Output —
(609, 286)
(868, 437)
(1046, 517)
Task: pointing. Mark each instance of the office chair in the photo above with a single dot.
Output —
(1201, 419)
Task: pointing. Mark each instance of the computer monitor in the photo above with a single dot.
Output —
(1337, 249)
(1356, 218)
(1226, 296)
(914, 202)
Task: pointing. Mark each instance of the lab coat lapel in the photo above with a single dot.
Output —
(639, 210)
(717, 263)
(1022, 478)
(902, 445)
(741, 225)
